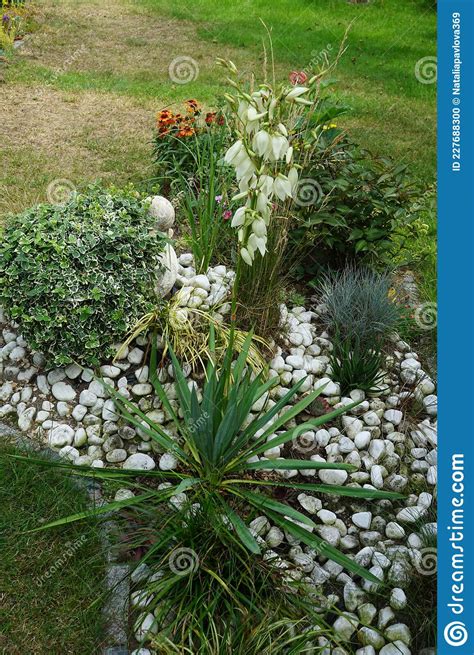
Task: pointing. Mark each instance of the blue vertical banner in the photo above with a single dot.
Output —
(456, 327)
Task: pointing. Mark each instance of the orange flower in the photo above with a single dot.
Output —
(192, 106)
(165, 118)
(210, 117)
(186, 130)
(164, 114)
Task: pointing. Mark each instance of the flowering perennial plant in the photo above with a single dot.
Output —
(262, 155)
(178, 135)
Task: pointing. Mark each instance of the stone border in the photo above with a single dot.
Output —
(117, 577)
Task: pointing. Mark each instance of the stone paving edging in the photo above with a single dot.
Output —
(117, 577)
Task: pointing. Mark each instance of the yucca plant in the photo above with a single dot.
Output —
(218, 449)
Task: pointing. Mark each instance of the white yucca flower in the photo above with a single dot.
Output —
(239, 217)
(293, 179)
(296, 92)
(282, 187)
(280, 146)
(246, 256)
(255, 243)
(261, 142)
(234, 150)
(259, 228)
(263, 202)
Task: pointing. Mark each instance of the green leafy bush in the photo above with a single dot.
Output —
(362, 204)
(77, 276)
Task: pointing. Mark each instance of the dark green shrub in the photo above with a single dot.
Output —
(362, 203)
(77, 276)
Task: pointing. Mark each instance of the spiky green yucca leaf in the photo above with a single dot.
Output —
(218, 450)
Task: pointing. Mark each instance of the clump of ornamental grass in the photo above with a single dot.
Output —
(210, 595)
(187, 331)
(360, 315)
(359, 305)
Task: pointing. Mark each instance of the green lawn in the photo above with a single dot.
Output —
(48, 580)
(392, 111)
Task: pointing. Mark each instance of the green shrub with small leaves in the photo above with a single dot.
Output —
(362, 206)
(77, 276)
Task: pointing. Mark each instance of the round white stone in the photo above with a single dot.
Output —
(61, 435)
(362, 520)
(332, 476)
(63, 391)
(139, 462)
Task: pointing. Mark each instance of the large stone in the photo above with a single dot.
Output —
(398, 598)
(167, 273)
(332, 476)
(61, 435)
(139, 462)
(362, 520)
(398, 632)
(163, 212)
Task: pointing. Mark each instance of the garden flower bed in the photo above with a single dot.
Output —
(389, 437)
(269, 455)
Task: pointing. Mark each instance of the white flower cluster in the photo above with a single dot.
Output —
(263, 162)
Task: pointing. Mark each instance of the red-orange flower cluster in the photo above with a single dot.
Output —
(185, 125)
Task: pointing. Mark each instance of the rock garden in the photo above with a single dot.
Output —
(233, 357)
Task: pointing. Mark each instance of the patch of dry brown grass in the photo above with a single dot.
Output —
(90, 133)
(82, 137)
